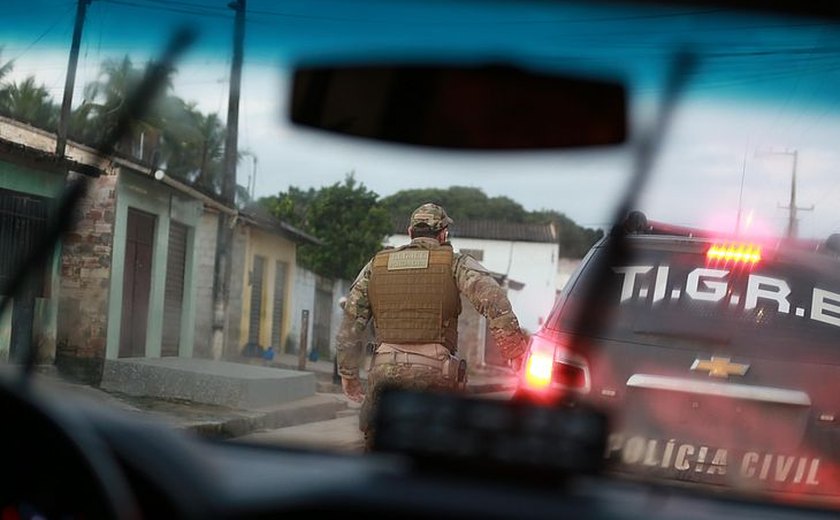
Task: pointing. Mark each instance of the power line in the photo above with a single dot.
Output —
(49, 29)
(222, 12)
(795, 90)
(175, 9)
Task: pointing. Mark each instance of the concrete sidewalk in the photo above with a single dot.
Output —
(326, 404)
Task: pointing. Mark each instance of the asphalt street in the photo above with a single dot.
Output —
(339, 434)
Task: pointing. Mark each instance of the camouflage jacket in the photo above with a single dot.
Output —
(473, 281)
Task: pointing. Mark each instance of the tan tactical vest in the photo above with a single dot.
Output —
(414, 297)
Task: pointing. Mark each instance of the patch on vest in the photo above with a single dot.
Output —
(408, 260)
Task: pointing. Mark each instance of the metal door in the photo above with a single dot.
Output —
(23, 220)
(255, 317)
(137, 282)
(173, 301)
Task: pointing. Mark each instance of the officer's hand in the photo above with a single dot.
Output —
(352, 388)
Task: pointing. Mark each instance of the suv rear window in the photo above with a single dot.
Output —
(670, 294)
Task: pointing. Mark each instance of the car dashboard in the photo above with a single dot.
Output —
(170, 473)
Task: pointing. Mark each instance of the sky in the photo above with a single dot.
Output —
(728, 152)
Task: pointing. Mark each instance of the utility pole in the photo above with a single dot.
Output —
(224, 241)
(793, 219)
(70, 80)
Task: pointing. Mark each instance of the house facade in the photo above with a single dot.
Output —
(566, 267)
(316, 306)
(267, 279)
(29, 185)
(120, 282)
(134, 276)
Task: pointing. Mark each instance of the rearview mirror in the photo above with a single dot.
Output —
(490, 107)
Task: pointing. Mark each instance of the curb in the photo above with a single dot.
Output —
(310, 409)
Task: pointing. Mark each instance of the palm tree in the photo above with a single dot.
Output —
(212, 146)
(189, 144)
(192, 143)
(7, 67)
(28, 102)
(104, 99)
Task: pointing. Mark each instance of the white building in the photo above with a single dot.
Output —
(566, 267)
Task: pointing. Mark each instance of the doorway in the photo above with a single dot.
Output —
(137, 282)
(23, 221)
(256, 314)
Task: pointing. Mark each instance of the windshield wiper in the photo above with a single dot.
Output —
(588, 316)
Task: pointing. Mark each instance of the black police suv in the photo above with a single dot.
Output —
(717, 358)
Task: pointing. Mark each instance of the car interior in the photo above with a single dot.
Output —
(436, 455)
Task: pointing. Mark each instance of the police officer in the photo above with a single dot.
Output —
(412, 294)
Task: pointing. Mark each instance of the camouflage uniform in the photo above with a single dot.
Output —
(472, 280)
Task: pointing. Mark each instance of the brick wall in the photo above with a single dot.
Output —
(85, 268)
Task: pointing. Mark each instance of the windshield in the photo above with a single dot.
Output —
(211, 260)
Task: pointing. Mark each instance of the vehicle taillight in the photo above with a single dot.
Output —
(538, 369)
(748, 254)
(550, 366)
(570, 374)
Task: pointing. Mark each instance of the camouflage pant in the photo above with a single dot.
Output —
(398, 375)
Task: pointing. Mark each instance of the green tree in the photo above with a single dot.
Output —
(7, 67)
(291, 206)
(192, 143)
(211, 152)
(573, 240)
(104, 98)
(467, 203)
(346, 216)
(462, 202)
(174, 133)
(28, 102)
(187, 143)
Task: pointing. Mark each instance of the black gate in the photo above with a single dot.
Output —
(255, 317)
(23, 220)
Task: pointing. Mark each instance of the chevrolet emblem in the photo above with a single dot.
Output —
(720, 367)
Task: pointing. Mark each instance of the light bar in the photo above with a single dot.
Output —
(744, 253)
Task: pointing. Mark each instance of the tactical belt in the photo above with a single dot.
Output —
(431, 355)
